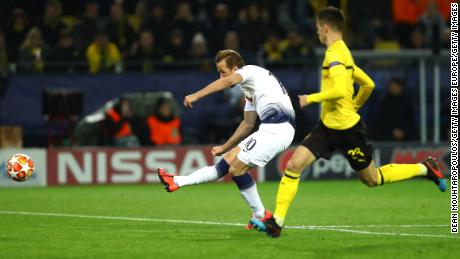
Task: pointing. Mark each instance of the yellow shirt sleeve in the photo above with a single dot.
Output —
(366, 86)
(337, 72)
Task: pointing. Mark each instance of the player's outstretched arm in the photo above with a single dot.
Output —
(216, 86)
(244, 129)
(366, 86)
(338, 75)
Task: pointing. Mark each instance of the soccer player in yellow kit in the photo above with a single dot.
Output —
(340, 126)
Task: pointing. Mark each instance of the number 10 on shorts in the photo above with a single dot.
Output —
(250, 144)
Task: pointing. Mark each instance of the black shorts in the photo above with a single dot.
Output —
(352, 143)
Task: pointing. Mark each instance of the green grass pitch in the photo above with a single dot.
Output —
(340, 219)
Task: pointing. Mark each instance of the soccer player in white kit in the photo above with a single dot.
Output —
(267, 99)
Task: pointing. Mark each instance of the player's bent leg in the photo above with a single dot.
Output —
(287, 189)
(301, 158)
(369, 175)
(236, 166)
(231, 155)
(247, 186)
(391, 173)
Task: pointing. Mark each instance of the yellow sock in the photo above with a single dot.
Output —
(286, 192)
(397, 172)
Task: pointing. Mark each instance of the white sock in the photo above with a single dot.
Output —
(279, 221)
(423, 168)
(252, 198)
(203, 175)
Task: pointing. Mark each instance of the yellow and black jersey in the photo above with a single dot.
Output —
(339, 73)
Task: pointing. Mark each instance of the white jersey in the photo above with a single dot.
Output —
(266, 95)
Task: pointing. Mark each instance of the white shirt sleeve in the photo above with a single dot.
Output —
(248, 107)
(245, 73)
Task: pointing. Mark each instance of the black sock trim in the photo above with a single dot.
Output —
(291, 177)
(244, 181)
(381, 177)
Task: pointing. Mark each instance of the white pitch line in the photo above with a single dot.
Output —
(118, 218)
(324, 227)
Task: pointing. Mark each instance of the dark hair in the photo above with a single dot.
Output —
(231, 57)
(333, 17)
(160, 102)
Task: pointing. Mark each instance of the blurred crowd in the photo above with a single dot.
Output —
(115, 35)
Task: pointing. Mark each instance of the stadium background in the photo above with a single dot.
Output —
(53, 103)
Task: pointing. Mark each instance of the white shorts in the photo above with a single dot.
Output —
(263, 145)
